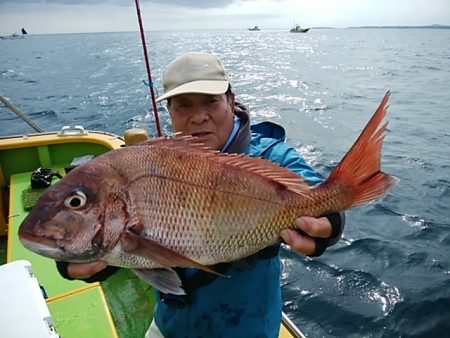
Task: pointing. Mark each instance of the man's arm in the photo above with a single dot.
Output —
(88, 272)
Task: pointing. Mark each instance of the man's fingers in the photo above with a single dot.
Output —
(298, 242)
(314, 227)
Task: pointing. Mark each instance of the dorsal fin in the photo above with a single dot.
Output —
(264, 168)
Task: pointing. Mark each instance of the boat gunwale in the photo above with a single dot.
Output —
(110, 140)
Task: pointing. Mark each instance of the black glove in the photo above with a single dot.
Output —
(337, 221)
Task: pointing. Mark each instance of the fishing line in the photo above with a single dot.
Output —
(149, 73)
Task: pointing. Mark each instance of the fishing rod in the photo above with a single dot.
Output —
(147, 64)
(21, 114)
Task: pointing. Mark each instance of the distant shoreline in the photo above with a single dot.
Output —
(434, 26)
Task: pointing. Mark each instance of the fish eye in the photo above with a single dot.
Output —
(76, 201)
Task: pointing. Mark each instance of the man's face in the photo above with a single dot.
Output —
(208, 117)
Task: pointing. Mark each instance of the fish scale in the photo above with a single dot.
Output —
(216, 191)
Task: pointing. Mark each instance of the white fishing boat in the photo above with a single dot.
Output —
(298, 29)
(255, 28)
(20, 35)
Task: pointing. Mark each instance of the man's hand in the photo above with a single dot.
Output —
(303, 242)
(85, 270)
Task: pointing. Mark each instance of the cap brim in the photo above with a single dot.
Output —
(197, 87)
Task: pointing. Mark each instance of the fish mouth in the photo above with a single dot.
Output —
(44, 246)
(37, 240)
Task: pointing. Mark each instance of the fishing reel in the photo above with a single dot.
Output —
(42, 178)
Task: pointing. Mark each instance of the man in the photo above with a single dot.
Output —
(248, 303)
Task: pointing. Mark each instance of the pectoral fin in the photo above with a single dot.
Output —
(157, 253)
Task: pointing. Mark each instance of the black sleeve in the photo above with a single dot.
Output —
(98, 277)
(337, 221)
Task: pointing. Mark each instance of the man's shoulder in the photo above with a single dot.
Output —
(268, 129)
(268, 141)
(266, 137)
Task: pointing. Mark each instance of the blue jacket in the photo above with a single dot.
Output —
(268, 141)
(248, 304)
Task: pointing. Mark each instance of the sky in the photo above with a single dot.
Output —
(71, 16)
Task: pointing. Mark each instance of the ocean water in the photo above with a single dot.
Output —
(390, 274)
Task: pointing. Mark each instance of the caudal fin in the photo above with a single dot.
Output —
(359, 170)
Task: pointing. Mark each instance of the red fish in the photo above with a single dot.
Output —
(169, 202)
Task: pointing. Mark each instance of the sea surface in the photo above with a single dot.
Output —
(390, 274)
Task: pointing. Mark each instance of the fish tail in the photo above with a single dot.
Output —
(359, 171)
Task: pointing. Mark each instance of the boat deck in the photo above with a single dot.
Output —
(66, 299)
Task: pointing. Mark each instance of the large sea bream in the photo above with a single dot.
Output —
(170, 202)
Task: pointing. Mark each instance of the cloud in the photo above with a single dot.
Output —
(70, 16)
(76, 16)
(178, 3)
(194, 3)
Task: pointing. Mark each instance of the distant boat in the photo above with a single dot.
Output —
(256, 28)
(12, 36)
(15, 35)
(298, 29)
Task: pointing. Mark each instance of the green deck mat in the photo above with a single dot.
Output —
(30, 197)
(131, 302)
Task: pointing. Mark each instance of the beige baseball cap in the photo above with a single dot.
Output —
(195, 72)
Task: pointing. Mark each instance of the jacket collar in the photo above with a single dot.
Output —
(243, 137)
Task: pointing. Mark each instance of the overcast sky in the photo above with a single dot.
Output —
(71, 16)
